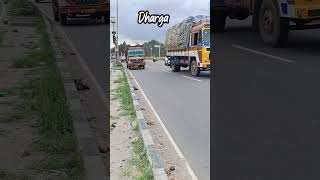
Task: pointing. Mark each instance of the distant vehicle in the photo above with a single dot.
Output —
(166, 61)
(272, 19)
(135, 57)
(188, 45)
(122, 58)
(64, 9)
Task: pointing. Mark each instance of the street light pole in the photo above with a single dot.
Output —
(151, 52)
(158, 46)
(117, 32)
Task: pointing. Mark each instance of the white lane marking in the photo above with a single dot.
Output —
(263, 54)
(192, 78)
(185, 76)
(178, 151)
(81, 60)
(166, 71)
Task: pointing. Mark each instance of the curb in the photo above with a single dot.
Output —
(153, 155)
(87, 146)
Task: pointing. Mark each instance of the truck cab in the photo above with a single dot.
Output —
(199, 42)
(135, 57)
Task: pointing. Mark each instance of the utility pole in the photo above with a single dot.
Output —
(114, 37)
(151, 52)
(117, 31)
(158, 46)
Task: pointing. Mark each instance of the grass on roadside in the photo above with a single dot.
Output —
(45, 97)
(40, 56)
(21, 8)
(140, 159)
(6, 175)
(2, 34)
(123, 91)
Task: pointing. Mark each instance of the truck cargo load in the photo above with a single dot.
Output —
(178, 35)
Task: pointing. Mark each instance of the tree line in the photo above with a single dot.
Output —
(147, 48)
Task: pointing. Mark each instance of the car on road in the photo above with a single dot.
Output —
(167, 61)
(122, 58)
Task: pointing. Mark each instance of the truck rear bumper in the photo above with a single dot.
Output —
(84, 9)
(131, 64)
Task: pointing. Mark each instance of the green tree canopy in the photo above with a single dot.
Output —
(147, 48)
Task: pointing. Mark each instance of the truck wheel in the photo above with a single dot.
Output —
(106, 19)
(56, 16)
(143, 67)
(195, 71)
(219, 20)
(174, 67)
(273, 28)
(63, 19)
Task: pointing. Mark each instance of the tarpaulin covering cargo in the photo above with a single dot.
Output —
(177, 36)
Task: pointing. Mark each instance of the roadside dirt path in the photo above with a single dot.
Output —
(122, 135)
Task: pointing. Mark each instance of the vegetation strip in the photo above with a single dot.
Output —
(140, 159)
(45, 97)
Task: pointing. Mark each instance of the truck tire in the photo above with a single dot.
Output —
(219, 20)
(174, 67)
(143, 67)
(56, 16)
(195, 70)
(273, 29)
(106, 19)
(63, 19)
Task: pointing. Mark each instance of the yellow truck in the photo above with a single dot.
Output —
(273, 19)
(188, 45)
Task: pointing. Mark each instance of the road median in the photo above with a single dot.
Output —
(90, 139)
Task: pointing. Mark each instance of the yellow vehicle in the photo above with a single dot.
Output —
(273, 19)
(193, 51)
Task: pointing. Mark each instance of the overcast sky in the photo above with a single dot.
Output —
(132, 32)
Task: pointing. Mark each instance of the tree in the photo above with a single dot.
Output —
(147, 48)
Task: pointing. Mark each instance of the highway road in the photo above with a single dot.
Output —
(183, 104)
(91, 39)
(266, 117)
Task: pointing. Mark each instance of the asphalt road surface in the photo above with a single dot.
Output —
(266, 117)
(183, 104)
(91, 39)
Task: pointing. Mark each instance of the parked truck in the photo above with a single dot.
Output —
(135, 57)
(273, 19)
(188, 45)
(95, 9)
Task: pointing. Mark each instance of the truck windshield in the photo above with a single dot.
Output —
(135, 53)
(206, 37)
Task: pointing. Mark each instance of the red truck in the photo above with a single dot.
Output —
(64, 9)
(135, 56)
